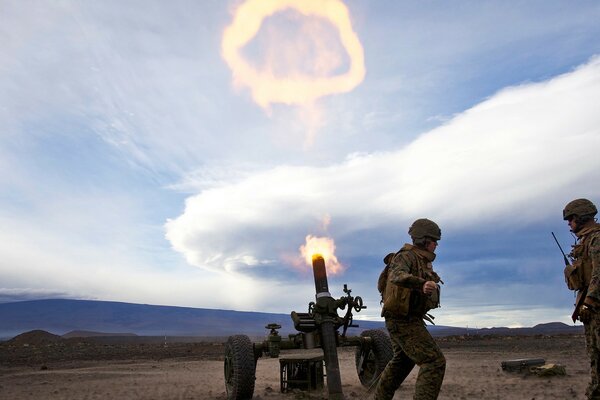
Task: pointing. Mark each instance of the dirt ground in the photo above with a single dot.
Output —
(86, 370)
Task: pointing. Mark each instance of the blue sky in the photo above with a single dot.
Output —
(133, 168)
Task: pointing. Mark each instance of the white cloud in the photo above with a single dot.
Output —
(36, 265)
(529, 147)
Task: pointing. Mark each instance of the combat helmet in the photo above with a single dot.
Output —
(423, 228)
(579, 208)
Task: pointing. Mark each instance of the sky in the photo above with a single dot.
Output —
(181, 153)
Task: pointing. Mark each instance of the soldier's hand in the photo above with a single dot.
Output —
(429, 287)
(585, 314)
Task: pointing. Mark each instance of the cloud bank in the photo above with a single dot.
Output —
(527, 148)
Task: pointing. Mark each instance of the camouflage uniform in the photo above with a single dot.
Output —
(404, 308)
(587, 254)
(584, 276)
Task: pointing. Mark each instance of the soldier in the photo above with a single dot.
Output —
(410, 288)
(585, 277)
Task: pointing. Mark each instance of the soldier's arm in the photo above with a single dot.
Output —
(400, 272)
(593, 294)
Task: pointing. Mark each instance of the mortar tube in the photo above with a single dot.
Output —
(320, 274)
(328, 339)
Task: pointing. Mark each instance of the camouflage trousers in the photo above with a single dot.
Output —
(412, 344)
(592, 341)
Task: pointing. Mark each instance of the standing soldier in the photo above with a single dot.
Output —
(410, 288)
(584, 276)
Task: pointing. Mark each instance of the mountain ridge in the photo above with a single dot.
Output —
(62, 316)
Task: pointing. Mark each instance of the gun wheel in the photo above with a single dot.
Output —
(371, 363)
(240, 368)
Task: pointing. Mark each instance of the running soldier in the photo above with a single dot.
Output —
(410, 288)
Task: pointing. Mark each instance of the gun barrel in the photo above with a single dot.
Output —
(327, 326)
(320, 274)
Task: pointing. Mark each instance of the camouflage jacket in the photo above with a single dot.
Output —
(408, 271)
(586, 253)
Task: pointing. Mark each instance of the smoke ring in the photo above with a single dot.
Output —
(267, 89)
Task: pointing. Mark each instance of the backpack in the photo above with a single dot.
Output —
(398, 301)
(382, 281)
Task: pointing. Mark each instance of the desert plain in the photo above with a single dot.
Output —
(37, 368)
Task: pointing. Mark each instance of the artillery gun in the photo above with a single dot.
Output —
(317, 328)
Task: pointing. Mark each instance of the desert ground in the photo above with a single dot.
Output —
(84, 369)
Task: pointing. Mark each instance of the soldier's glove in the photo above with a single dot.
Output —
(585, 314)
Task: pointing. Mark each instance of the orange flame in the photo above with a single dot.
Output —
(295, 88)
(326, 248)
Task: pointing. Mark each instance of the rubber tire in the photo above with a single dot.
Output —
(240, 365)
(379, 355)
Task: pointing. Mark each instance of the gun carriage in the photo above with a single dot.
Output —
(318, 328)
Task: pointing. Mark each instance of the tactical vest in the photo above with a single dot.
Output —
(579, 275)
(400, 301)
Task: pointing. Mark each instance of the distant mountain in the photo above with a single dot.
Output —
(62, 316)
(65, 316)
(35, 337)
(551, 328)
(86, 334)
